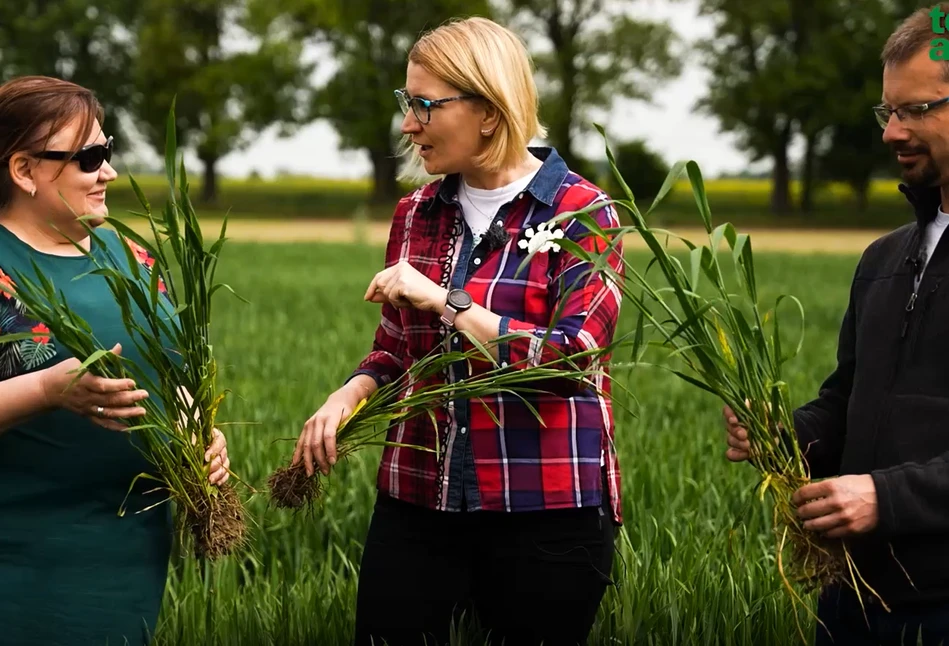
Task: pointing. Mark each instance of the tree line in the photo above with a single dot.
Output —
(778, 69)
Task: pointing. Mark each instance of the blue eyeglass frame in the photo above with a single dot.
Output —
(917, 110)
(406, 101)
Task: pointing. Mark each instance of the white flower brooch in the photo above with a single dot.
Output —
(543, 240)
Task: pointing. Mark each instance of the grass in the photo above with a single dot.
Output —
(745, 200)
(695, 563)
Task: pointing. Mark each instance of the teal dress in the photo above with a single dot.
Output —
(73, 572)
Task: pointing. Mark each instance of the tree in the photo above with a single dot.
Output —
(643, 170)
(766, 77)
(223, 98)
(786, 67)
(369, 42)
(856, 151)
(72, 40)
(596, 52)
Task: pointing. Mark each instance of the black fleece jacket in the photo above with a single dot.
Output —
(885, 410)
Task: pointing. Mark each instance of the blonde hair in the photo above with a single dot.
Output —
(479, 56)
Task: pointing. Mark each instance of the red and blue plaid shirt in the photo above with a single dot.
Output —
(517, 465)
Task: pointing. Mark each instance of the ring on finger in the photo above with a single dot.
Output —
(100, 411)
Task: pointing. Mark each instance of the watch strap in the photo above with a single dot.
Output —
(448, 316)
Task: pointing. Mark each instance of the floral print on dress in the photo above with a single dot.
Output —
(144, 258)
(6, 285)
(19, 357)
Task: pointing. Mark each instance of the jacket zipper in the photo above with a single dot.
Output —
(922, 318)
(908, 310)
(910, 306)
(919, 268)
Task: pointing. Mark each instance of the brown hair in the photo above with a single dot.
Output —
(912, 35)
(32, 110)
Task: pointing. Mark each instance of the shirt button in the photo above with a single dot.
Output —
(477, 261)
(455, 340)
(504, 364)
(463, 430)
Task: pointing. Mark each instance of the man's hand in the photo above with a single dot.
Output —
(404, 286)
(839, 507)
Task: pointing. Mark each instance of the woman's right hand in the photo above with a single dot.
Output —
(317, 442)
(101, 400)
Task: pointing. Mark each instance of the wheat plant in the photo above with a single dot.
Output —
(166, 309)
(719, 338)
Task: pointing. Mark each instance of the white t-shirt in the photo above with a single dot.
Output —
(932, 235)
(479, 205)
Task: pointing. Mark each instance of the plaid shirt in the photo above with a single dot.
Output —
(517, 465)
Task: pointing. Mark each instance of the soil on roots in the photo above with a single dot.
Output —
(218, 525)
(817, 562)
(811, 559)
(292, 488)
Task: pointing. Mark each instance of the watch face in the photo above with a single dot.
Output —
(459, 298)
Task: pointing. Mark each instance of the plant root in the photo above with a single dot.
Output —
(292, 488)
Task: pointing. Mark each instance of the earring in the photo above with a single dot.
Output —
(485, 132)
(33, 192)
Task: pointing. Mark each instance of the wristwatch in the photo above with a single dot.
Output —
(458, 301)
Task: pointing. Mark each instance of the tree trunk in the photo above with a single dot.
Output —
(209, 185)
(560, 137)
(781, 176)
(563, 38)
(385, 184)
(861, 189)
(807, 175)
(562, 118)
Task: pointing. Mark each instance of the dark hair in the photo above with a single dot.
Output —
(913, 34)
(32, 110)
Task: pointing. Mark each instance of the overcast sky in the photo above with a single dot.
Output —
(670, 126)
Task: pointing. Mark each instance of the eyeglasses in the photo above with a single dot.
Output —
(90, 157)
(883, 112)
(423, 107)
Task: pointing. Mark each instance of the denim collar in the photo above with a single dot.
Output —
(543, 187)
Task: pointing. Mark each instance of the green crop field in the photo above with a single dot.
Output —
(744, 202)
(695, 563)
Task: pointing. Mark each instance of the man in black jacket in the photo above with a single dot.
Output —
(879, 429)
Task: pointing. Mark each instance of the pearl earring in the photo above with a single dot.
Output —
(33, 192)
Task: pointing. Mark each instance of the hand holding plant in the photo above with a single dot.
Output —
(165, 303)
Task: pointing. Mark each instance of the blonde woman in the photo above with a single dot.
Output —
(516, 520)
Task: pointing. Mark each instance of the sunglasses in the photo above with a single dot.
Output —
(90, 157)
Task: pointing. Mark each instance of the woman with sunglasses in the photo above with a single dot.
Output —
(71, 570)
(516, 519)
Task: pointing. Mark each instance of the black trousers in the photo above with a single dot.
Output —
(846, 624)
(529, 577)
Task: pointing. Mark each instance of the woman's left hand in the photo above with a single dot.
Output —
(404, 286)
(217, 455)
